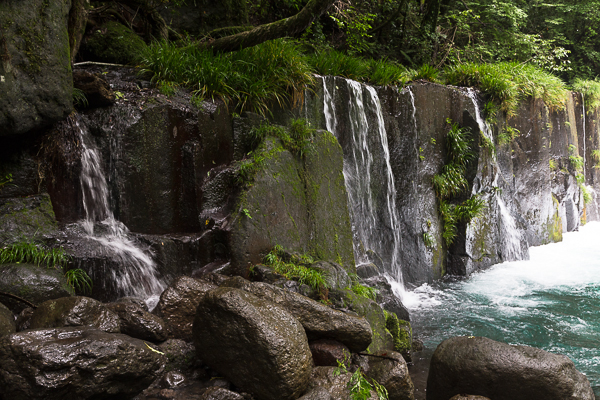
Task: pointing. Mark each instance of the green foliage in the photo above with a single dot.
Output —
(356, 26)
(29, 252)
(591, 92)
(451, 182)
(487, 143)
(272, 72)
(596, 158)
(552, 164)
(6, 180)
(402, 339)
(428, 240)
(79, 280)
(576, 161)
(585, 191)
(79, 99)
(249, 167)
(297, 139)
(359, 385)
(469, 209)
(296, 267)
(508, 83)
(362, 290)
(507, 135)
(427, 72)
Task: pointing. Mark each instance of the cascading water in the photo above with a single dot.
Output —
(510, 237)
(371, 191)
(138, 275)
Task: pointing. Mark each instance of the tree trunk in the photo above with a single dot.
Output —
(284, 27)
(78, 16)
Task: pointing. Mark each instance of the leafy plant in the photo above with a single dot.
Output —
(79, 280)
(576, 161)
(6, 180)
(79, 98)
(295, 268)
(507, 135)
(585, 191)
(428, 240)
(362, 290)
(596, 158)
(427, 72)
(552, 164)
(29, 252)
(359, 385)
(591, 92)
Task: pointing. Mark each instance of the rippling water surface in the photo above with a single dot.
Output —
(551, 301)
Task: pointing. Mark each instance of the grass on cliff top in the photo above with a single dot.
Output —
(294, 267)
(508, 83)
(591, 92)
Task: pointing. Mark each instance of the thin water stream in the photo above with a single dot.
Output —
(551, 301)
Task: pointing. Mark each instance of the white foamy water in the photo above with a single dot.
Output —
(551, 301)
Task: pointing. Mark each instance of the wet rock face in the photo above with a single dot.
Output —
(327, 380)
(256, 344)
(75, 363)
(96, 89)
(25, 217)
(35, 72)
(75, 311)
(392, 373)
(319, 321)
(328, 352)
(139, 323)
(32, 283)
(481, 366)
(178, 303)
(7, 321)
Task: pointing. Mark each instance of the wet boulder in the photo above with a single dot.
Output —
(32, 283)
(319, 321)
(468, 397)
(334, 382)
(7, 321)
(316, 393)
(96, 89)
(74, 311)
(190, 392)
(327, 352)
(139, 323)
(177, 305)
(335, 275)
(113, 43)
(75, 363)
(254, 343)
(35, 72)
(391, 371)
(181, 355)
(481, 366)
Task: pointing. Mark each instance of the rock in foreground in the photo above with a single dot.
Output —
(481, 366)
(255, 344)
(75, 363)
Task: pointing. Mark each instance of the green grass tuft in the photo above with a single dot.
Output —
(79, 280)
(591, 92)
(29, 252)
(295, 268)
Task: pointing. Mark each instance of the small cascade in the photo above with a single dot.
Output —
(138, 274)
(510, 236)
(371, 191)
(583, 105)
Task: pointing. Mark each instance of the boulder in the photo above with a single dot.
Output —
(335, 382)
(468, 397)
(113, 43)
(319, 321)
(327, 352)
(181, 355)
(74, 311)
(192, 392)
(139, 323)
(316, 393)
(7, 321)
(254, 343)
(24, 319)
(371, 311)
(75, 363)
(21, 217)
(335, 275)
(32, 283)
(391, 371)
(177, 305)
(484, 367)
(96, 89)
(35, 72)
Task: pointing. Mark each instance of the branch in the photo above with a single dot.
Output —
(12, 296)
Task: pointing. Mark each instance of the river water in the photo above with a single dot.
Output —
(551, 301)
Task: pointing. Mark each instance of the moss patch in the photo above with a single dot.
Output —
(401, 332)
(114, 43)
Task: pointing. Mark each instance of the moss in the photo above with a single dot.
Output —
(114, 43)
(401, 332)
(553, 227)
(26, 218)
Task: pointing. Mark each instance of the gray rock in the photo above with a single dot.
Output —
(181, 355)
(7, 321)
(392, 374)
(254, 343)
(96, 89)
(317, 393)
(36, 83)
(336, 384)
(367, 270)
(319, 321)
(468, 397)
(192, 392)
(24, 319)
(139, 323)
(327, 352)
(75, 363)
(32, 283)
(74, 311)
(133, 300)
(484, 367)
(177, 305)
(335, 275)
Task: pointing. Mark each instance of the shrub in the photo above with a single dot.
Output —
(591, 92)
(295, 268)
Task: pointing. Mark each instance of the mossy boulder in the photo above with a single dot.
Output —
(401, 332)
(26, 218)
(35, 69)
(113, 43)
(382, 339)
(7, 321)
(32, 283)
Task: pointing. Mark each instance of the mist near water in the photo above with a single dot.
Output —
(551, 301)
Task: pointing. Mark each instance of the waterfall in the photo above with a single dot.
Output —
(368, 176)
(583, 105)
(138, 275)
